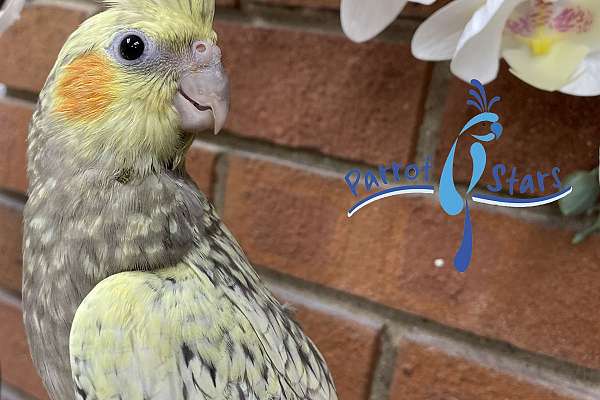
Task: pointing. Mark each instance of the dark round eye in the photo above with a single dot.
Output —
(131, 47)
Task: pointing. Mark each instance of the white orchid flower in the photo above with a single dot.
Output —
(10, 13)
(553, 45)
(363, 19)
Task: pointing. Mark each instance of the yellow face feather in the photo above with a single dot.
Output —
(104, 108)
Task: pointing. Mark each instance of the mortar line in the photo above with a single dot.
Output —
(561, 376)
(383, 373)
(89, 7)
(525, 365)
(11, 298)
(220, 173)
(263, 17)
(321, 21)
(299, 156)
(12, 200)
(422, 114)
(430, 130)
(9, 392)
(18, 96)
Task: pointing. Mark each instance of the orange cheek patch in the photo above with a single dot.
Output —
(86, 88)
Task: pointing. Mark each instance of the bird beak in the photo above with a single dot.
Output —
(202, 99)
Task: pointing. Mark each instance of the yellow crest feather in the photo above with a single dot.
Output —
(200, 11)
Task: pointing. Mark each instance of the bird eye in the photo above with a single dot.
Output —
(131, 47)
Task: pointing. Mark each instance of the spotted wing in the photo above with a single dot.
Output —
(186, 333)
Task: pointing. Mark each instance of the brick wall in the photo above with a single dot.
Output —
(307, 105)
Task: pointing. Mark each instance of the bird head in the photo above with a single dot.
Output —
(485, 126)
(134, 82)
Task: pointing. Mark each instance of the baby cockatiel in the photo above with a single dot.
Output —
(133, 288)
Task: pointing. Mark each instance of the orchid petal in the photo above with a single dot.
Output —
(548, 72)
(436, 38)
(478, 50)
(363, 20)
(587, 80)
(10, 13)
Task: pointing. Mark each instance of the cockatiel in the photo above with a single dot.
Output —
(133, 288)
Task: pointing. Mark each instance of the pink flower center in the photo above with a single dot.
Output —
(560, 17)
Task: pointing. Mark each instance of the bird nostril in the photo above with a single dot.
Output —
(205, 53)
(200, 47)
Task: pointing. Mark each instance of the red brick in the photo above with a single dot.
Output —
(527, 284)
(33, 43)
(10, 246)
(349, 343)
(541, 130)
(324, 92)
(200, 164)
(424, 373)
(17, 368)
(14, 122)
